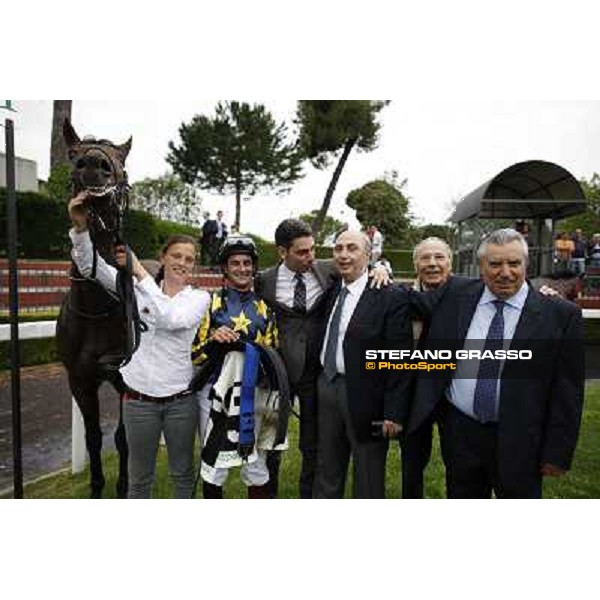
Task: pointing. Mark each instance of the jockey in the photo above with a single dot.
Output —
(236, 315)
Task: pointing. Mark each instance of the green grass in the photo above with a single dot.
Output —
(583, 481)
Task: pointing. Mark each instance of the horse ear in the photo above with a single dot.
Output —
(124, 149)
(70, 134)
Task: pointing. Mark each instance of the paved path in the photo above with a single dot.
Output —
(46, 421)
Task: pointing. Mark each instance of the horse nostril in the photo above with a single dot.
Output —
(105, 166)
(80, 164)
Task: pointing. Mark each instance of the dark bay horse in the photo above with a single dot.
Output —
(91, 330)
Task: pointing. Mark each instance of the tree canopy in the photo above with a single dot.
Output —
(330, 226)
(588, 221)
(383, 203)
(328, 127)
(168, 198)
(240, 150)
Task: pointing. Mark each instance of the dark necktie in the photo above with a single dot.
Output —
(484, 401)
(300, 293)
(329, 361)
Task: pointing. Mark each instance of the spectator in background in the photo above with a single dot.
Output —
(523, 228)
(594, 251)
(207, 242)
(222, 232)
(563, 250)
(376, 239)
(579, 252)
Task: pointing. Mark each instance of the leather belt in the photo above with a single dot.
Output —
(133, 395)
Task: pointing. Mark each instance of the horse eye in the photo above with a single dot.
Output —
(80, 164)
(104, 165)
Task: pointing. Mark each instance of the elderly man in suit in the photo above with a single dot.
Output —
(432, 260)
(357, 413)
(296, 289)
(504, 427)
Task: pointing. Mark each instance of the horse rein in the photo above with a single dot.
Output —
(124, 283)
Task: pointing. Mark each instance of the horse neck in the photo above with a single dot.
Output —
(104, 244)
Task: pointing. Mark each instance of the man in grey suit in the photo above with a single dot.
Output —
(297, 290)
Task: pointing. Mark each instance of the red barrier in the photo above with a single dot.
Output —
(43, 284)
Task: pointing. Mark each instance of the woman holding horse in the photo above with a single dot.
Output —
(157, 400)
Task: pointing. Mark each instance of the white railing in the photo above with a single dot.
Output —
(46, 329)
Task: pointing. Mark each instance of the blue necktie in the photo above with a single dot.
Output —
(484, 401)
(329, 360)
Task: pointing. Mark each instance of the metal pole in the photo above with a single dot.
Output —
(15, 364)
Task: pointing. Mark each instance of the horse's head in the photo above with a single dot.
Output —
(98, 167)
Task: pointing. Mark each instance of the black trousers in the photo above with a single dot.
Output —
(470, 451)
(416, 453)
(308, 448)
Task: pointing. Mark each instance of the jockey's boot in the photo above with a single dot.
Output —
(259, 492)
(211, 491)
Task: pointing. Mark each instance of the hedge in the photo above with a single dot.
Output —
(43, 226)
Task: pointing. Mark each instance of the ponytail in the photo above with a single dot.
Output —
(160, 275)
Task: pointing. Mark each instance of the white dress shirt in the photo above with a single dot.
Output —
(286, 285)
(162, 365)
(461, 391)
(355, 290)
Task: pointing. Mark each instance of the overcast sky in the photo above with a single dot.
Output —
(444, 148)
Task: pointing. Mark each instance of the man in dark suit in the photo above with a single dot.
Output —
(432, 260)
(297, 289)
(207, 242)
(504, 428)
(357, 413)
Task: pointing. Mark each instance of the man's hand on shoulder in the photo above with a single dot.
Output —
(380, 276)
(546, 290)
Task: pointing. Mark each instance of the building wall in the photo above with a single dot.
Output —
(26, 179)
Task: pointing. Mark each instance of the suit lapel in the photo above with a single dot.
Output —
(363, 309)
(467, 304)
(317, 270)
(530, 319)
(269, 290)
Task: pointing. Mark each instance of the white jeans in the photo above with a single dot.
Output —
(255, 473)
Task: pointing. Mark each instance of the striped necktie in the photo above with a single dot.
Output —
(300, 293)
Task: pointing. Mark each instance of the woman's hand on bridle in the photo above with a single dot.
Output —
(136, 266)
(78, 212)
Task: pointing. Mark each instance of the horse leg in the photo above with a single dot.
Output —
(86, 396)
(123, 450)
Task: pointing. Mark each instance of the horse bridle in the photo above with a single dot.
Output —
(124, 283)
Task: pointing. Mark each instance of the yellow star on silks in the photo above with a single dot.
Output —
(216, 303)
(261, 308)
(260, 338)
(241, 323)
